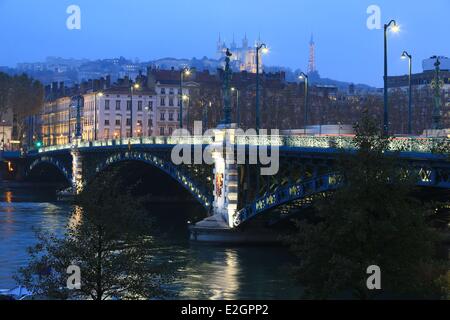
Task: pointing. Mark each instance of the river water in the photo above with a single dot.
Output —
(207, 272)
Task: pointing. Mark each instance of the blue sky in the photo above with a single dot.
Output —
(347, 50)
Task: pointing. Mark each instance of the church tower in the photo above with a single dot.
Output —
(245, 42)
(221, 47)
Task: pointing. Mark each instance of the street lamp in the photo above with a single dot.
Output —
(264, 50)
(3, 135)
(149, 124)
(238, 109)
(205, 106)
(394, 27)
(406, 55)
(185, 97)
(185, 72)
(136, 86)
(100, 94)
(303, 76)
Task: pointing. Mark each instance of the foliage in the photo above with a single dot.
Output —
(372, 220)
(109, 241)
(23, 96)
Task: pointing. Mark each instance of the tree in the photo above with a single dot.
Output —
(23, 96)
(373, 219)
(111, 246)
(26, 99)
(5, 85)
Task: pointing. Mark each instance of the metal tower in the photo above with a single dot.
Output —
(312, 56)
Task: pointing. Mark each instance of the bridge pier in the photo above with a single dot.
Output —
(220, 227)
(77, 170)
(226, 182)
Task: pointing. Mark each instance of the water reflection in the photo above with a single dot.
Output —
(8, 197)
(207, 272)
(213, 273)
(76, 217)
(18, 220)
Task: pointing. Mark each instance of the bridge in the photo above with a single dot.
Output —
(230, 186)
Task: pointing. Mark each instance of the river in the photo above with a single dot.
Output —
(208, 272)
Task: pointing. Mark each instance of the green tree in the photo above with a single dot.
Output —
(373, 219)
(110, 244)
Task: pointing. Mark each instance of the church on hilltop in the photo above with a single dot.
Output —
(244, 56)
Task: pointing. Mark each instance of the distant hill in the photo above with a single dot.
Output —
(316, 79)
(74, 71)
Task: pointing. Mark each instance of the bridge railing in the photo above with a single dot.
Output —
(171, 140)
(421, 145)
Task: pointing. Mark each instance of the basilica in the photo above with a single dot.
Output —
(244, 56)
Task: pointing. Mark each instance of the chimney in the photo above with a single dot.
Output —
(108, 81)
(151, 81)
(126, 81)
(102, 84)
(62, 89)
(83, 86)
(55, 90)
(48, 90)
(95, 85)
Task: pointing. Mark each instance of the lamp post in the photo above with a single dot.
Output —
(205, 114)
(69, 130)
(149, 133)
(437, 85)
(406, 55)
(303, 76)
(264, 50)
(184, 72)
(238, 109)
(136, 86)
(186, 97)
(78, 130)
(395, 28)
(100, 94)
(3, 135)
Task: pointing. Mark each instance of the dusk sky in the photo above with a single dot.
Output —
(150, 29)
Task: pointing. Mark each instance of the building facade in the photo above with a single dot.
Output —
(170, 91)
(150, 106)
(422, 95)
(114, 112)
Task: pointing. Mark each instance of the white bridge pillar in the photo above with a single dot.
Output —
(77, 170)
(226, 182)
